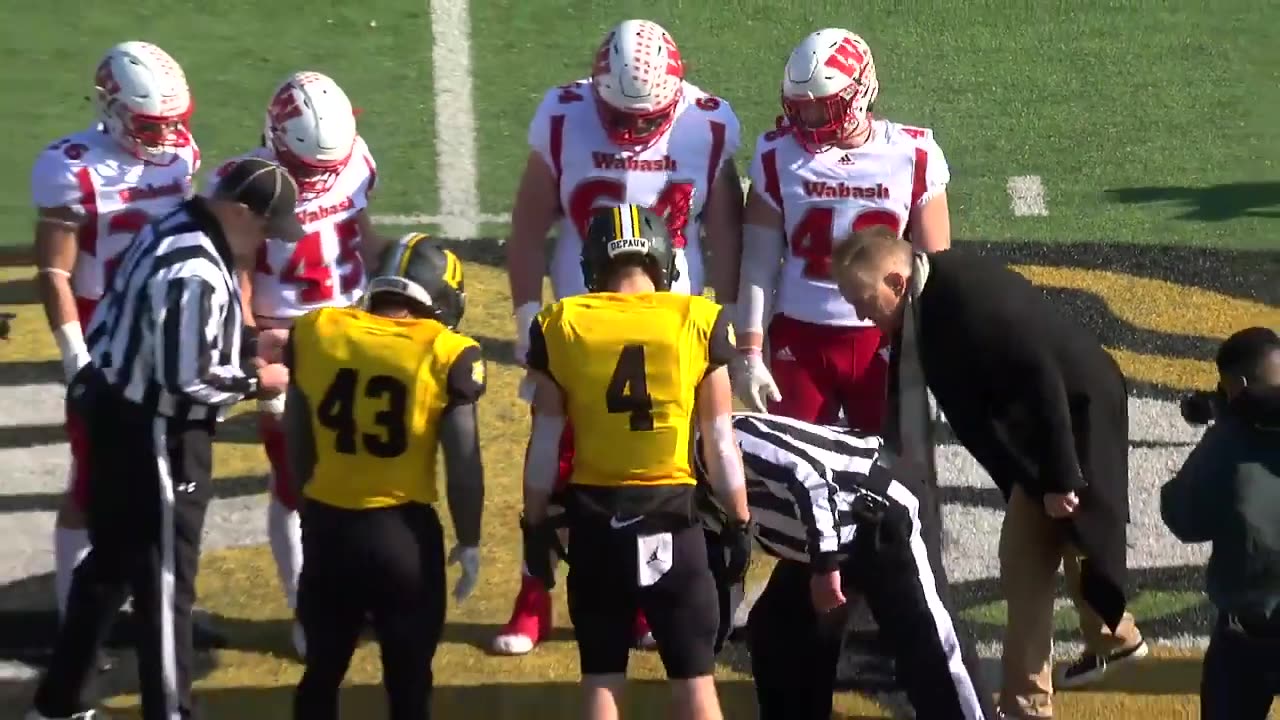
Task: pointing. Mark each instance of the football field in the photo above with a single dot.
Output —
(1125, 155)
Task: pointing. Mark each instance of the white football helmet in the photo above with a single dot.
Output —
(311, 128)
(637, 79)
(143, 101)
(828, 88)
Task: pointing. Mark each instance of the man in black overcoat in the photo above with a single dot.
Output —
(1035, 398)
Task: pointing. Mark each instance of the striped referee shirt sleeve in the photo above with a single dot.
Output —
(824, 535)
(189, 313)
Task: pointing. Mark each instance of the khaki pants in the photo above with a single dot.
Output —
(1032, 547)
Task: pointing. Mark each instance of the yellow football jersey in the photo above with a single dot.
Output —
(629, 366)
(376, 388)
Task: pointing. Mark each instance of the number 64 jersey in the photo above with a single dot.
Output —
(673, 176)
(629, 366)
(824, 197)
(324, 268)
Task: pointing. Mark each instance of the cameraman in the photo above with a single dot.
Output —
(1228, 493)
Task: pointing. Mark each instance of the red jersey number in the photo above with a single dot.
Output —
(813, 237)
(126, 222)
(307, 268)
(672, 204)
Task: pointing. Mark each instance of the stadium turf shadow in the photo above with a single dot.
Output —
(231, 487)
(30, 372)
(1211, 203)
(17, 292)
(25, 436)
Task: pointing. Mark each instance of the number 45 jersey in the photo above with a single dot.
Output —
(324, 268)
(376, 389)
(629, 366)
(672, 176)
(825, 196)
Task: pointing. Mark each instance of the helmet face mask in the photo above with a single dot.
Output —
(311, 130)
(143, 102)
(828, 88)
(637, 80)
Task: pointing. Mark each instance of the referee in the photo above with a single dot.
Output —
(839, 522)
(166, 343)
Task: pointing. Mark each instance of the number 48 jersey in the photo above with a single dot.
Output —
(324, 268)
(376, 389)
(824, 197)
(673, 176)
(629, 366)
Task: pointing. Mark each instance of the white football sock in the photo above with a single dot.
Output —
(284, 530)
(70, 545)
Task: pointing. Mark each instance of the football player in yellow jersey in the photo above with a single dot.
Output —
(374, 392)
(632, 367)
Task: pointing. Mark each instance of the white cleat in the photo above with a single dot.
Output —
(512, 644)
(299, 641)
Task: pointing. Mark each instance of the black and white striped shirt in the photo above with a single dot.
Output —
(168, 332)
(803, 484)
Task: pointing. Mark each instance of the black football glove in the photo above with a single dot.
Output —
(540, 544)
(736, 538)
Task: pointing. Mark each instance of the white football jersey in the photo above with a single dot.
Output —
(324, 268)
(115, 193)
(824, 197)
(673, 176)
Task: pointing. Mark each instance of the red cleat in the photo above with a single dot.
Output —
(530, 621)
(643, 636)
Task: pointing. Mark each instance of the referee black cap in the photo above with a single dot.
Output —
(267, 190)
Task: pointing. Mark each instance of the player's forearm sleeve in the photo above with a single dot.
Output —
(300, 442)
(543, 462)
(186, 329)
(762, 250)
(464, 470)
(724, 461)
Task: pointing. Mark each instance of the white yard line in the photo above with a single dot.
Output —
(455, 117)
(1026, 196)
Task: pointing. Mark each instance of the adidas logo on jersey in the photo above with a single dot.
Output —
(784, 354)
(606, 161)
(846, 159)
(627, 245)
(148, 191)
(842, 190)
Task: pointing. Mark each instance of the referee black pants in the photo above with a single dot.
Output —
(387, 565)
(794, 653)
(149, 488)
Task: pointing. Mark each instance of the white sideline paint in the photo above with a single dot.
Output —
(1026, 196)
(448, 222)
(455, 118)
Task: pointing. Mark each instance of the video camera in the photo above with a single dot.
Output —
(1202, 406)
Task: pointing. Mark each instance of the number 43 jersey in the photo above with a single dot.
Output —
(629, 366)
(376, 389)
(825, 196)
(673, 176)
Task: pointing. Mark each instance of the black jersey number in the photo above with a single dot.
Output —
(337, 412)
(628, 390)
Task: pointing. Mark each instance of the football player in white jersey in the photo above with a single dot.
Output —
(830, 168)
(93, 190)
(311, 131)
(635, 131)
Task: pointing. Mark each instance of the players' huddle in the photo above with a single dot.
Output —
(632, 167)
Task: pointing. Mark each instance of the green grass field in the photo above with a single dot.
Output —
(1152, 127)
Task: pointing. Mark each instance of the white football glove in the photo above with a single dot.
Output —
(752, 381)
(469, 559)
(524, 319)
(75, 354)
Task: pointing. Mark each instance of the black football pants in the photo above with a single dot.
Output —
(149, 488)
(1241, 673)
(794, 652)
(386, 565)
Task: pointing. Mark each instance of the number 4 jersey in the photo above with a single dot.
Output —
(114, 192)
(824, 197)
(672, 176)
(376, 388)
(324, 268)
(629, 366)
